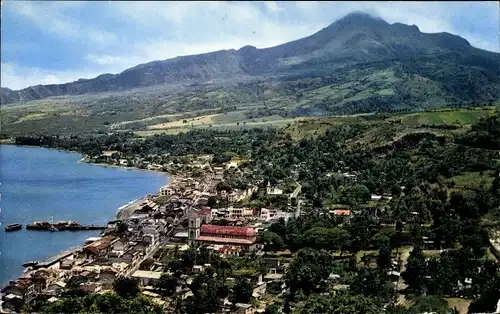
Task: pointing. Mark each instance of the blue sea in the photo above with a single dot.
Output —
(39, 183)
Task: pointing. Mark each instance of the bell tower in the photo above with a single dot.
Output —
(194, 224)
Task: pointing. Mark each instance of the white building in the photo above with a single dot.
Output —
(273, 190)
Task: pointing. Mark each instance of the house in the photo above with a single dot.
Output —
(233, 196)
(98, 248)
(90, 287)
(341, 212)
(237, 213)
(66, 264)
(120, 266)
(272, 275)
(243, 308)
(106, 277)
(205, 216)
(273, 190)
(229, 250)
(197, 268)
(167, 191)
(24, 288)
(120, 245)
(55, 288)
(13, 302)
(146, 277)
(150, 239)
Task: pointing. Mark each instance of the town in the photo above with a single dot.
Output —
(235, 233)
(186, 214)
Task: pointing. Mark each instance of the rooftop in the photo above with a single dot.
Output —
(147, 274)
(225, 230)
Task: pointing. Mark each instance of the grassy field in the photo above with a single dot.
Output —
(471, 179)
(448, 117)
(180, 123)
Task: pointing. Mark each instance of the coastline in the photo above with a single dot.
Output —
(83, 161)
(121, 214)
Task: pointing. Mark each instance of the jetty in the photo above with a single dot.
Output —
(62, 226)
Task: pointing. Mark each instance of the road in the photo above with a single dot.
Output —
(295, 194)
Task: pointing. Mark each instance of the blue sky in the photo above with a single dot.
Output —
(56, 42)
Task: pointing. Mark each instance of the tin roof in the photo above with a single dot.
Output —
(226, 230)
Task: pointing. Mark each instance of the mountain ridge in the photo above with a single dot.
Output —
(355, 38)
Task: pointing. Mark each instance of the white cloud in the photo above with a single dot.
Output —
(273, 6)
(307, 5)
(54, 18)
(102, 37)
(17, 77)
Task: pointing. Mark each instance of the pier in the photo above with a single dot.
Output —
(62, 226)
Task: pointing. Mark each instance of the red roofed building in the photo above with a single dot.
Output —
(211, 234)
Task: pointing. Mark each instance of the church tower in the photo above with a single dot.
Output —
(194, 224)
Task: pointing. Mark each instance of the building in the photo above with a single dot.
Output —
(146, 277)
(237, 213)
(98, 248)
(272, 190)
(167, 191)
(209, 234)
(341, 212)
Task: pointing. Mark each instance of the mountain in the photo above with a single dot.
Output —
(357, 38)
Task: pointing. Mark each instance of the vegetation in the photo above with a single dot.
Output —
(422, 204)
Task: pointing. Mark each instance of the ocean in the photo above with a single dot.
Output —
(38, 183)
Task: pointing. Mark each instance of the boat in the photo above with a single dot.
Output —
(13, 227)
(30, 263)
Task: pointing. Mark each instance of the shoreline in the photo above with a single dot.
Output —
(83, 161)
(118, 215)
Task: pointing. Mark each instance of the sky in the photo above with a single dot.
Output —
(45, 42)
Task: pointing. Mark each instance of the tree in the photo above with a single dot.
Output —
(444, 279)
(167, 284)
(355, 194)
(361, 230)
(464, 204)
(212, 201)
(486, 283)
(486, 302)
(242, 291)
(326, 238)
(372, 283)
(272, 309)
(272, 241)
(102, 303)
(341, 303)
(307, 269)
(205, 295)
(384, 258)
(414, 275)
(126, 287)
(188, 258)
(430, 304)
